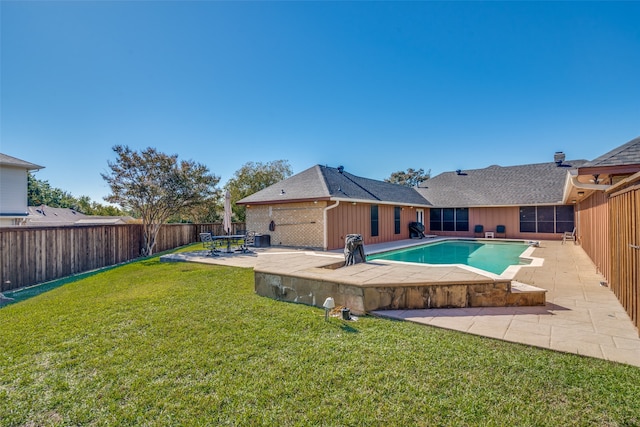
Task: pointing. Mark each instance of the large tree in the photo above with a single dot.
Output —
(40, 192)
(410, 178)
(210, 211)
(87, 206)
(253, 177)
(156, 186)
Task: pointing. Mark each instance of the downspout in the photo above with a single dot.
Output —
(578, 235)
(324, 223)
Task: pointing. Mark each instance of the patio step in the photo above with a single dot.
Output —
(522, 294)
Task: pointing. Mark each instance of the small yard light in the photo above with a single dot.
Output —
(328, 305)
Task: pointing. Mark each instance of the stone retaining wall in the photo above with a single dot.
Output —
(362, 298)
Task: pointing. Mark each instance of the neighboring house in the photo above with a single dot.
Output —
(46, 216)
(13, 189)
(14, 209)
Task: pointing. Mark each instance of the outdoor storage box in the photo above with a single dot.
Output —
(262, 240)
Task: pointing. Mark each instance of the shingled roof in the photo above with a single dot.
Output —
(6, 160)
(533, 184)
(626, 154)
(327, 183)
(47, 216)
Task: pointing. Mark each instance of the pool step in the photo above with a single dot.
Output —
(522, 294)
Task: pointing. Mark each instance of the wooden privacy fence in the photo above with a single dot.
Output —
(593, 230)
(624, 214)
(31, 255)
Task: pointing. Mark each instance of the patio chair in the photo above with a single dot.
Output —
(570, 235)
(205, 238)
(209, 243)
(246, 240)
(478, 229)
(250, 238)
(501, 229)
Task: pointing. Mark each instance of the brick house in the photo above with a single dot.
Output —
(318, 207)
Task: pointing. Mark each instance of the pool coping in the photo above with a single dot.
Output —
(509, 273)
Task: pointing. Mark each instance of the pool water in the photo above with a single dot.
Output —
(492, 257)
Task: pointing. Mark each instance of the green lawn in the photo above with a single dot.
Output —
(158, 344)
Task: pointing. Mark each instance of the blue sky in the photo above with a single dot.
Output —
(374, 86)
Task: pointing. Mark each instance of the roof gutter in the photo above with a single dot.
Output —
(275, 202)
(324, 223)
(26, 166)
(379, 202)
(572, 182)
(335, 199)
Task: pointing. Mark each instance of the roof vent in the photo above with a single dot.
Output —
(558, 157)
(282, 192)
(458, 172)
(340, 169)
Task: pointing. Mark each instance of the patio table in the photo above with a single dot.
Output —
(231, 238)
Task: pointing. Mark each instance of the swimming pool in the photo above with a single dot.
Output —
(494, 257)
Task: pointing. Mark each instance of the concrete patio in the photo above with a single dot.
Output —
(580, 316)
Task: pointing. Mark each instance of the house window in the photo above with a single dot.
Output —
(546, 219)
(374, 220)
(462, 219)
(528, 219)
(449, 219)
(396, 219)
(435, 219)
(564, 218)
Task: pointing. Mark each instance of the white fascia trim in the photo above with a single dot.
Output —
(378, 202)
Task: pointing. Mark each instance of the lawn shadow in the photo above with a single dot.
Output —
(348, 328)
(12, 297)
(21, 294)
